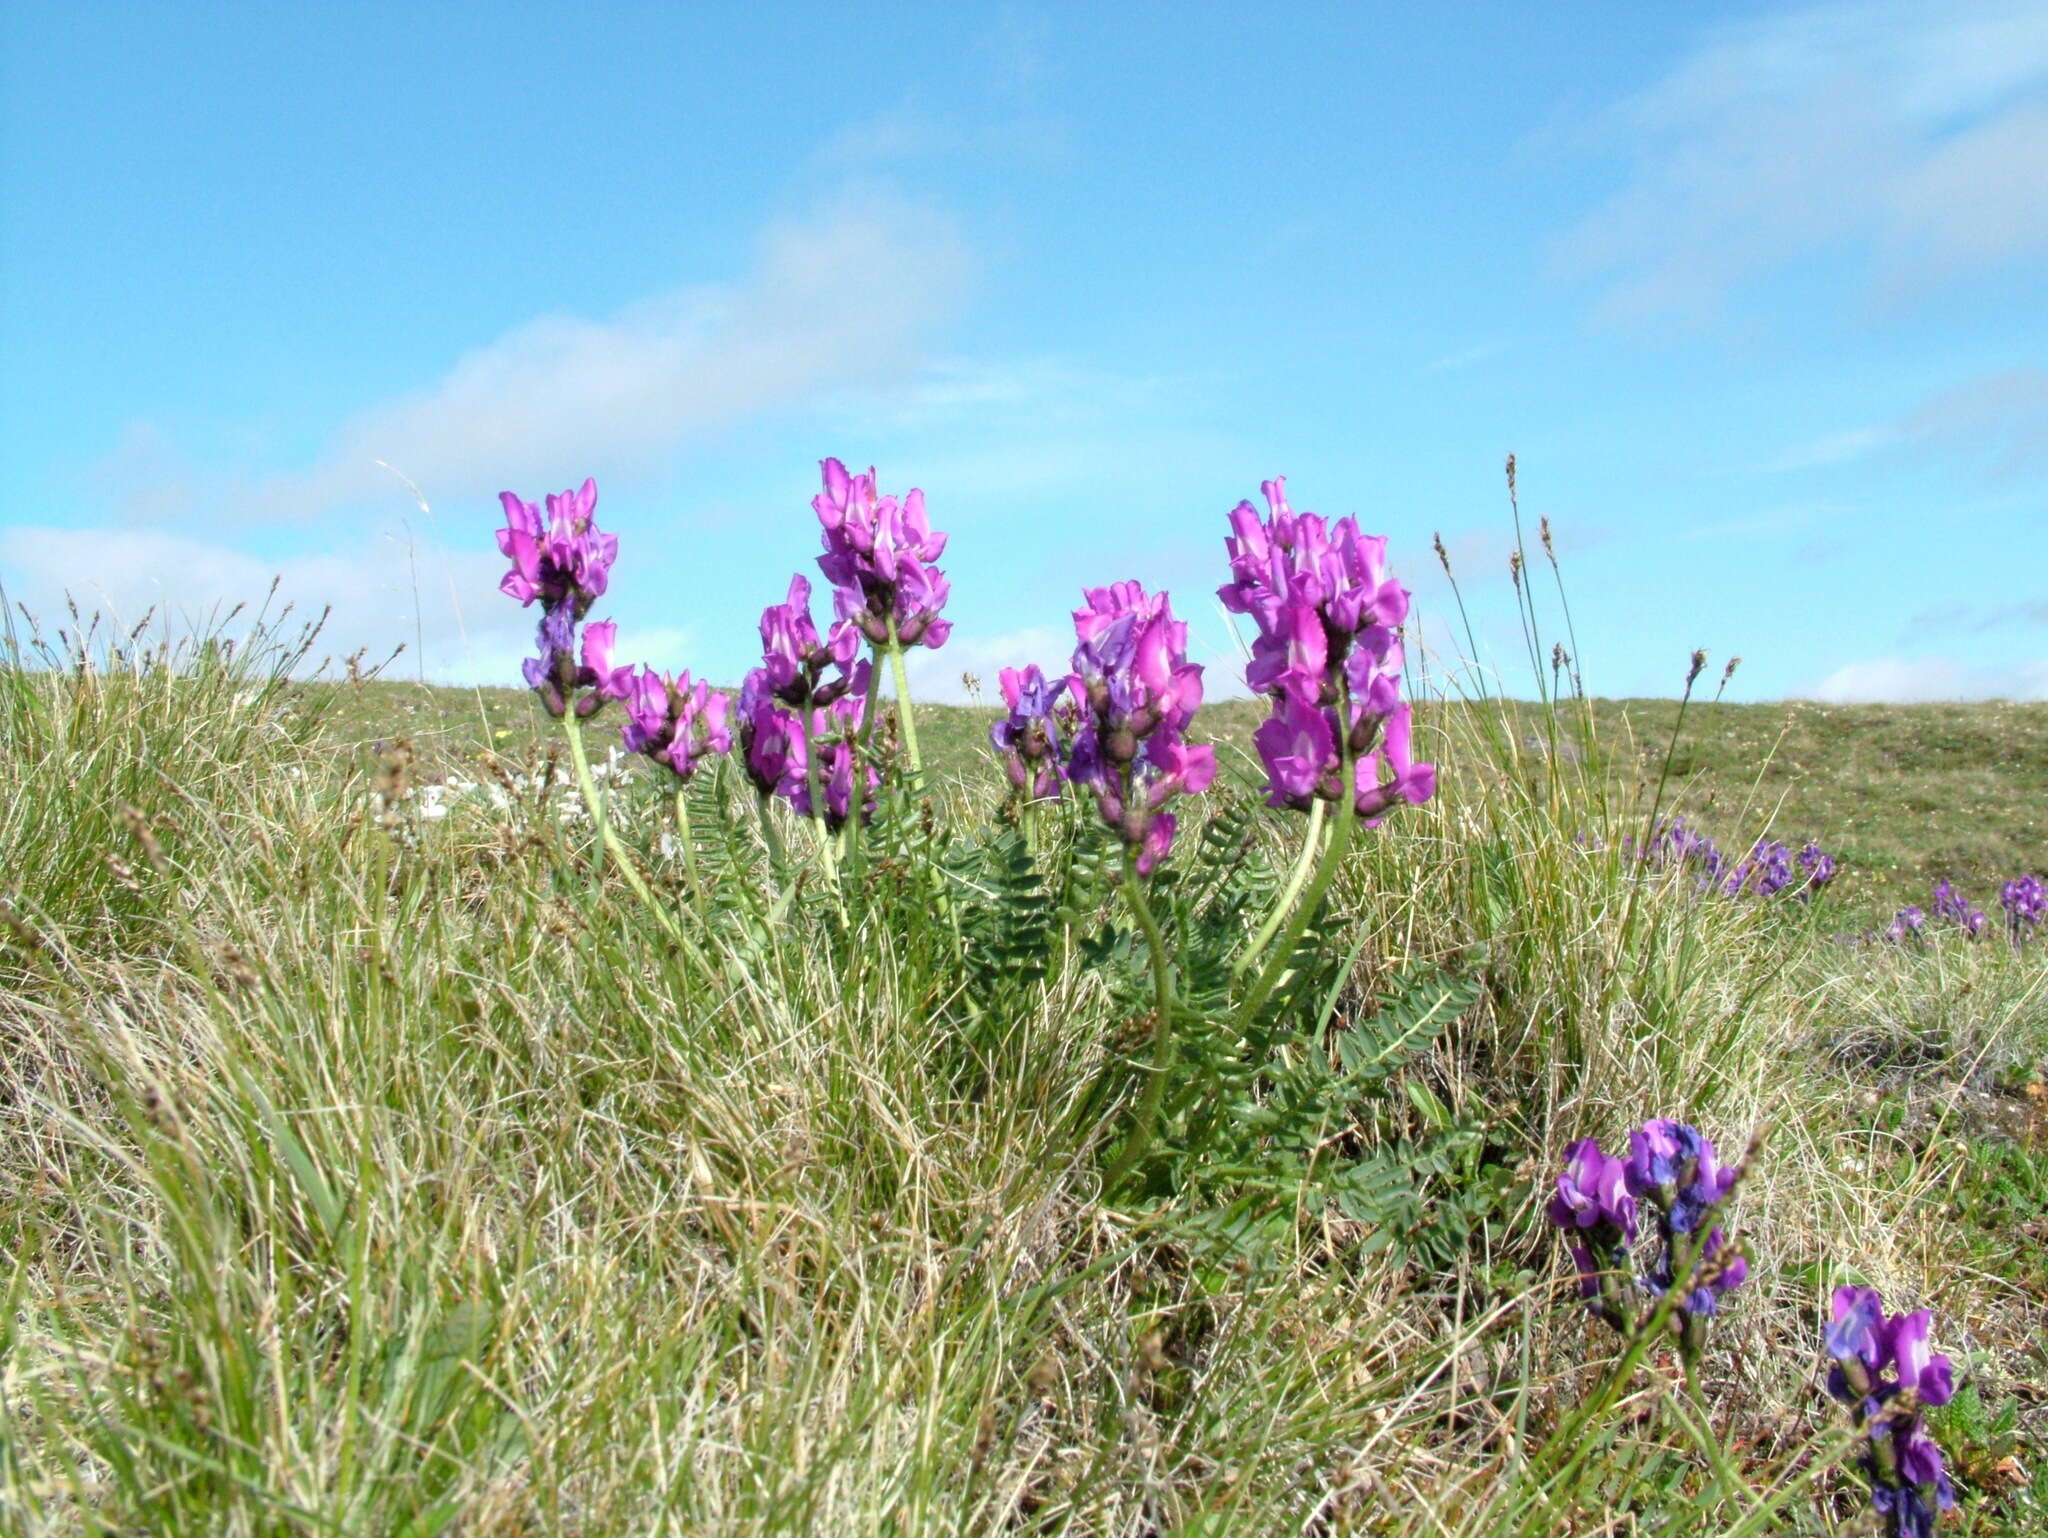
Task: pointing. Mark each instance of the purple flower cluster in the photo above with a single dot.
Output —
(1328, 652)
(879, 555)
(1137, 693)
(1674, 1170)
(807, 699)
(1029, 736)
(565, 563)
(1952, 905)
(673, 721)
(1768, 870)
(1885, 1373)
(2025, 901)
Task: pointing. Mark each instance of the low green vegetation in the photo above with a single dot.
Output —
(372, 1159)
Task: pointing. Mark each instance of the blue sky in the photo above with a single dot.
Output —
(1755, 294)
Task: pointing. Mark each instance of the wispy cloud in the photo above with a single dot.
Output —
(1916, 130)
(1833, 448)
(1910, 680)
(845, 300)
(1998, 418)
(1465, 357)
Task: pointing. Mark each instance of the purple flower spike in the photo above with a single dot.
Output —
(1136, 693)
(1930, 1376)
(1029, 736)
(567, 560)
(1328, 651)
(796, 659)
(1876, 1361)
(1907, 921)
(674, 722)
(879, 557)
(770, 741)
(2025, 901)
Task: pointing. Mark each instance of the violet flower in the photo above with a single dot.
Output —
(1029, 736)
(879, 555)
(675, 722)
(1820, 868)
(2025, 901)
(566, 560)
(769, 739)
(555, 674)
(833, 738)
(1907, 921)
(1594, 1208)
(1326, 612)
(1885, 1373)
(1952, 905)
(1137, 693)
(796, 659)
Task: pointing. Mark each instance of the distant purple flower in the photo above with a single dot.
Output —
(1952, 905)
(1136, 692)
(1876, 1360)
(1907, 921)
(673, 721)
(2025, 901)
(1029, 736)
(1819, 866)
(879, 557)
(566, 560)
(1765, 871)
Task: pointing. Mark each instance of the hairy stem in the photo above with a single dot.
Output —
(616, 851)
(690, 851)
(1164, 1042)
(903, 706)
(1284, 903)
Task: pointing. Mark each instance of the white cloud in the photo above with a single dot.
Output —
(442, 605)
(938, 675)
(843, 301)
(1909, 680)
(1833, 448)
(2005, 413)
(1916, 129)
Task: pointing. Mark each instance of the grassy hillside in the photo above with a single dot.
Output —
(1902, 795)
(377, 1161)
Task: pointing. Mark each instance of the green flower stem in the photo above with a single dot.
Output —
(814, 783)
(903, 705)
(1326, 871)
(778, 853)
(689, 850)
(1284, 904)
(1164, 1043)
(616, 850)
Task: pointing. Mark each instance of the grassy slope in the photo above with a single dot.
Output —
(394, 1176)
(1902, 795)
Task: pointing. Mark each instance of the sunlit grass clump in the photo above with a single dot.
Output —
(1121, 1134)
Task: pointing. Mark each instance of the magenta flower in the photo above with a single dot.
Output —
(770, 741)
(2025, 901)
(1329, 653)
(879, 557)
(834, 738)
(1029, 736)
(796, 659)
(674, 721)
(1136, 692)
(567, 560)
(556, 676)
